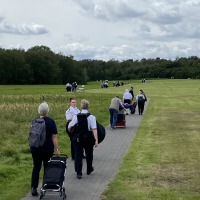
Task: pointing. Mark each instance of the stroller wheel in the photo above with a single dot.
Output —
(42, 194)
(61, 194)
(64, 197)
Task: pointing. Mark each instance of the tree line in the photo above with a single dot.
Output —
(40, 65)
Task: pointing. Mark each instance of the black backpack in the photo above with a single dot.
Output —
(37, 134)
(140, 98)
(82, 126)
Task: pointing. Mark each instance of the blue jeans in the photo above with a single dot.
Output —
(113, 117)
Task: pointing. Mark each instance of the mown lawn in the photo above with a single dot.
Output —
(164, 158)
(162, 162)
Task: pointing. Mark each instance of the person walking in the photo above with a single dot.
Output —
(85, 138)
(140, 98)
(132, 92)
(113, 109)
(70, 112)
(42, 154)
(144, 94)
(127, 97)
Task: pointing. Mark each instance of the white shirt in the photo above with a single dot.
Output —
(91, 121)
(71, 112)
(127, 95)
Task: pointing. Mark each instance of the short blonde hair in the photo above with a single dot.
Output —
(43, 109)
(85, 104)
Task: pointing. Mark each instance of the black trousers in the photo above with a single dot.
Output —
(79, 147)
(71, 135)
(140, 107)
(72, 147)
(39, 158)
(127, 101)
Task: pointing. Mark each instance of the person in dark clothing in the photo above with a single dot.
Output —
(140, 98)
(132, 92)
(144, 95)
(43, 153)
(86, 143)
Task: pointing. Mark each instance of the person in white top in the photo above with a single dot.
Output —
(86, 143)
(72, 110)
(127, 97)
(70, 113)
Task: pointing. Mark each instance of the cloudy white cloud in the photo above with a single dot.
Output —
(101, 29)
(21, 29)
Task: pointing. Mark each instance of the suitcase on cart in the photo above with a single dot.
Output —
(121, 119)
(54, 176)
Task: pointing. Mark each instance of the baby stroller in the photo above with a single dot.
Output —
(54, 176)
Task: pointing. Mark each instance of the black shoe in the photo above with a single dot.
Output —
(90, 171)
(79, 176)
(34, 192)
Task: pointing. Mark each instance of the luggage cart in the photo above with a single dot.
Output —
(54, 177)
(121, 119)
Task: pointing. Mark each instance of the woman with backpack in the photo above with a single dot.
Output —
(43, 150)
(140, 98)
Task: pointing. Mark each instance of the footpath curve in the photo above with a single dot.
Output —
(107, 158)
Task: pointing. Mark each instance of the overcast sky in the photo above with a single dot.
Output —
(103, 29)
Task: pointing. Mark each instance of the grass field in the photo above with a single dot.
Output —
(162, 162)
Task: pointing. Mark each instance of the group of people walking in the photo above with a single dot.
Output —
(82, 139)
(79, 143)
(81, 127)
(71, 87)
(127, 102)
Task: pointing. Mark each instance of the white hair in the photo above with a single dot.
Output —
(85, 104)
(43, 109)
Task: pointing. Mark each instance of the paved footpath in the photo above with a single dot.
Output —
(107, 157)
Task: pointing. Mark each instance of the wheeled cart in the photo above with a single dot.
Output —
(54, 177)
(121, 119)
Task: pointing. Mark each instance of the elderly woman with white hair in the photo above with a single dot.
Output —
(43, 153)
(127, 97)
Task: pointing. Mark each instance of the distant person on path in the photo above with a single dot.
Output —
(85, 138)
(127, 97)
(132, 92)
(71, 111)
(140, 98)
(114, 109)
(144, 95)
(68, 87)
(43, 153)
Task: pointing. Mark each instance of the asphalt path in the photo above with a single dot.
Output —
(107, 158)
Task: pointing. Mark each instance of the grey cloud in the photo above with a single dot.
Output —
(22, 29)
(1, 19)
(109, 10)
(153, 49)
(118, 10)
(167, 18)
